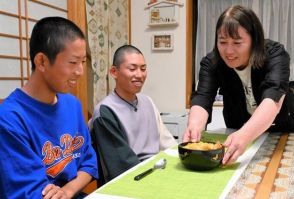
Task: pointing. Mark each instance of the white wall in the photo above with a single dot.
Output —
(166, 81)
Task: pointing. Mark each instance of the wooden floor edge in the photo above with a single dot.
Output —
(265, 187)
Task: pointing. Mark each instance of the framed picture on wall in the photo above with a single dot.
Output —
(162, 42)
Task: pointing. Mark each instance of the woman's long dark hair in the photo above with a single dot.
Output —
(234, 17)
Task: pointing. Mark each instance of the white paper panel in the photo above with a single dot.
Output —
(9, 67)
(9, 25)
(43, 11)
(6, 87)
(10, 6)
(58, 3)
(25, 65)
(23, 27)
(30, 28)
(24, 47)
(9, 46)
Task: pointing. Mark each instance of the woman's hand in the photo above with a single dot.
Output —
(192, 134)
(52, 191)
(236, 144)
(261, 120)
(196, 124)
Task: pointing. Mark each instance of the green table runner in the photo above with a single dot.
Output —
(175, 181)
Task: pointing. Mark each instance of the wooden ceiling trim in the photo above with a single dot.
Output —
(49, 5)
(14, 78)
(10, 36)
(16, 16)
(8, 14)
(11, 57)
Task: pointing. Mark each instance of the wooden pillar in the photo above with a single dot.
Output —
(189, 64)
(77, 14)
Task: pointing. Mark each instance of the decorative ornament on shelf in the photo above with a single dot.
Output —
(164, 12)
(152, 1)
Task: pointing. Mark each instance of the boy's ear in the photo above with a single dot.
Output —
(113, 72)
(40, 61)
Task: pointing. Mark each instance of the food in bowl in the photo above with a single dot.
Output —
(205, 146)
(201, 155)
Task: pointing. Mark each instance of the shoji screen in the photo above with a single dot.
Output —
(17, 18)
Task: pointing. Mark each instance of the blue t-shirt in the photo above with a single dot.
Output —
(42, 144)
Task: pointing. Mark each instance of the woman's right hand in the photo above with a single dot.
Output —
(196, 124)
(192, 134)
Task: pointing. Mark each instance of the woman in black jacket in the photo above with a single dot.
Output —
(252, 74)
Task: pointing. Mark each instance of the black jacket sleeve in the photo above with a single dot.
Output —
(111, 143)
(207, 85)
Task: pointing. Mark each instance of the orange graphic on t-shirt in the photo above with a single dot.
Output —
(65, 152)
(55, 169)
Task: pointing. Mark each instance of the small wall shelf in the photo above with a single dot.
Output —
(163, 24)
(164, 13)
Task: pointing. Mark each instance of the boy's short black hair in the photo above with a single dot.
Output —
(50, 35)
(118, 57)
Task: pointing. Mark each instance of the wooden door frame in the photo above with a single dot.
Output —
(189, 51)
(77, 14)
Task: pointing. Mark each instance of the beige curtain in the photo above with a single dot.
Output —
(107, 30)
